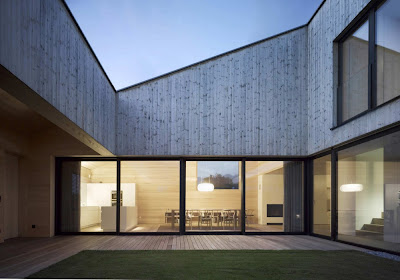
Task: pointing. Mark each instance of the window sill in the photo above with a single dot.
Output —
(365, 112)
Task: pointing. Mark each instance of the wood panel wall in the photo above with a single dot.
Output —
(249, 102)
(217, 199)
(157, 184)
(42, 46)
(252, 188)
(37, 171)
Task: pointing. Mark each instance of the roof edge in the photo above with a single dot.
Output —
(212, 58)
(316, 12)
(87, 43)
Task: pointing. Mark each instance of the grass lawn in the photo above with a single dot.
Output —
(223, 265)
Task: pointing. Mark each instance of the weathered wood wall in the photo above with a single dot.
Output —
(248, 102)
(42, 46)
(328, 23)
(276, 97)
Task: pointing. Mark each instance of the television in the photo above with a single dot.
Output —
(274, 210)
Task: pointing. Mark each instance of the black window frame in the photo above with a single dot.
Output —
(368, 13)
(182, 189)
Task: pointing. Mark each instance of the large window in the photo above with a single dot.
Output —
(355, 73)
(88, 196)
(369, 62)
(369, 193)
(388, 51)
(213, 195)
(322, 196)
(149, 196)
(274, 196)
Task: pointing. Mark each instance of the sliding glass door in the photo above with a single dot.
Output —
(213, 196)
(151, 192)
(368, 190)
(149, 196)
(87, 196)
(274, 196)
(322, 196)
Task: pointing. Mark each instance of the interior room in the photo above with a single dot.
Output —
(322, 196)
(369, 193)
(213, 195)
(274, 192)
(98, 198)
(157, 194)
(150, 196)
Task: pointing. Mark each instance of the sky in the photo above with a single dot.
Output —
(136, 40)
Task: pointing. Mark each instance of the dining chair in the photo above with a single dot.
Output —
(229, 219)
(189, 218)
(205, 218)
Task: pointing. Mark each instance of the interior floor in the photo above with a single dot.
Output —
(322, 229)
(169, 228)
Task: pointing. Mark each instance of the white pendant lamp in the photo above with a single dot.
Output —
(351, 188)
(206, 187)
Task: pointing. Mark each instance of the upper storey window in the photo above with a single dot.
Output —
(369, 61)
(388, 51)
(355, 73)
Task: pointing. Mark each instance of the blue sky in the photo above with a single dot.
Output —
(136, 40)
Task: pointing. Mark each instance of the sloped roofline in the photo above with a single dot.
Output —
(190, 65)
(212, 58)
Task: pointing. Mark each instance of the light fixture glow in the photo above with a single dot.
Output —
(351, 188)
(205, 187)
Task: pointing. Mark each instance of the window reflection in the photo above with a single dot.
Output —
(388, 51)
(322, 196)
(368, 193)
(355, 73)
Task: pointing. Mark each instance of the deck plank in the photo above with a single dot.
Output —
(33, 254)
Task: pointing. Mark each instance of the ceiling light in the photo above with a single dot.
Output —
(351, 188)
(205, 187)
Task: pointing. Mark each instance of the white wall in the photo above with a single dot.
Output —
(369, 172)
(271, 192)
(322, 189)
(358, 208)
(99, 194)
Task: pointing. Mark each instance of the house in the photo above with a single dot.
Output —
(298, 133)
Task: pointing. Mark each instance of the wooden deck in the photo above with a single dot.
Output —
(21, 257)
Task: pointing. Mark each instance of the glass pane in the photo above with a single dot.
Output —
(355, 73)
(322, 196)
(88, 193)
(388, 51)
(274, 196)
(213, 195)
(150, 196)
(369, 193)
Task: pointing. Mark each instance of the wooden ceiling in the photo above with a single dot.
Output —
(18, 118)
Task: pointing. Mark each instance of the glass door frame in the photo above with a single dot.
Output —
(182, 192)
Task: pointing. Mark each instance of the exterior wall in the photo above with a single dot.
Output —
(276, 97)
(248, 102)
(37, 181)
(42, 46)
(28, 145)
(328, 23)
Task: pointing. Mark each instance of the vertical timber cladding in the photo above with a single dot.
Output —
(332, 18)
(248, 102)
(55, 61)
